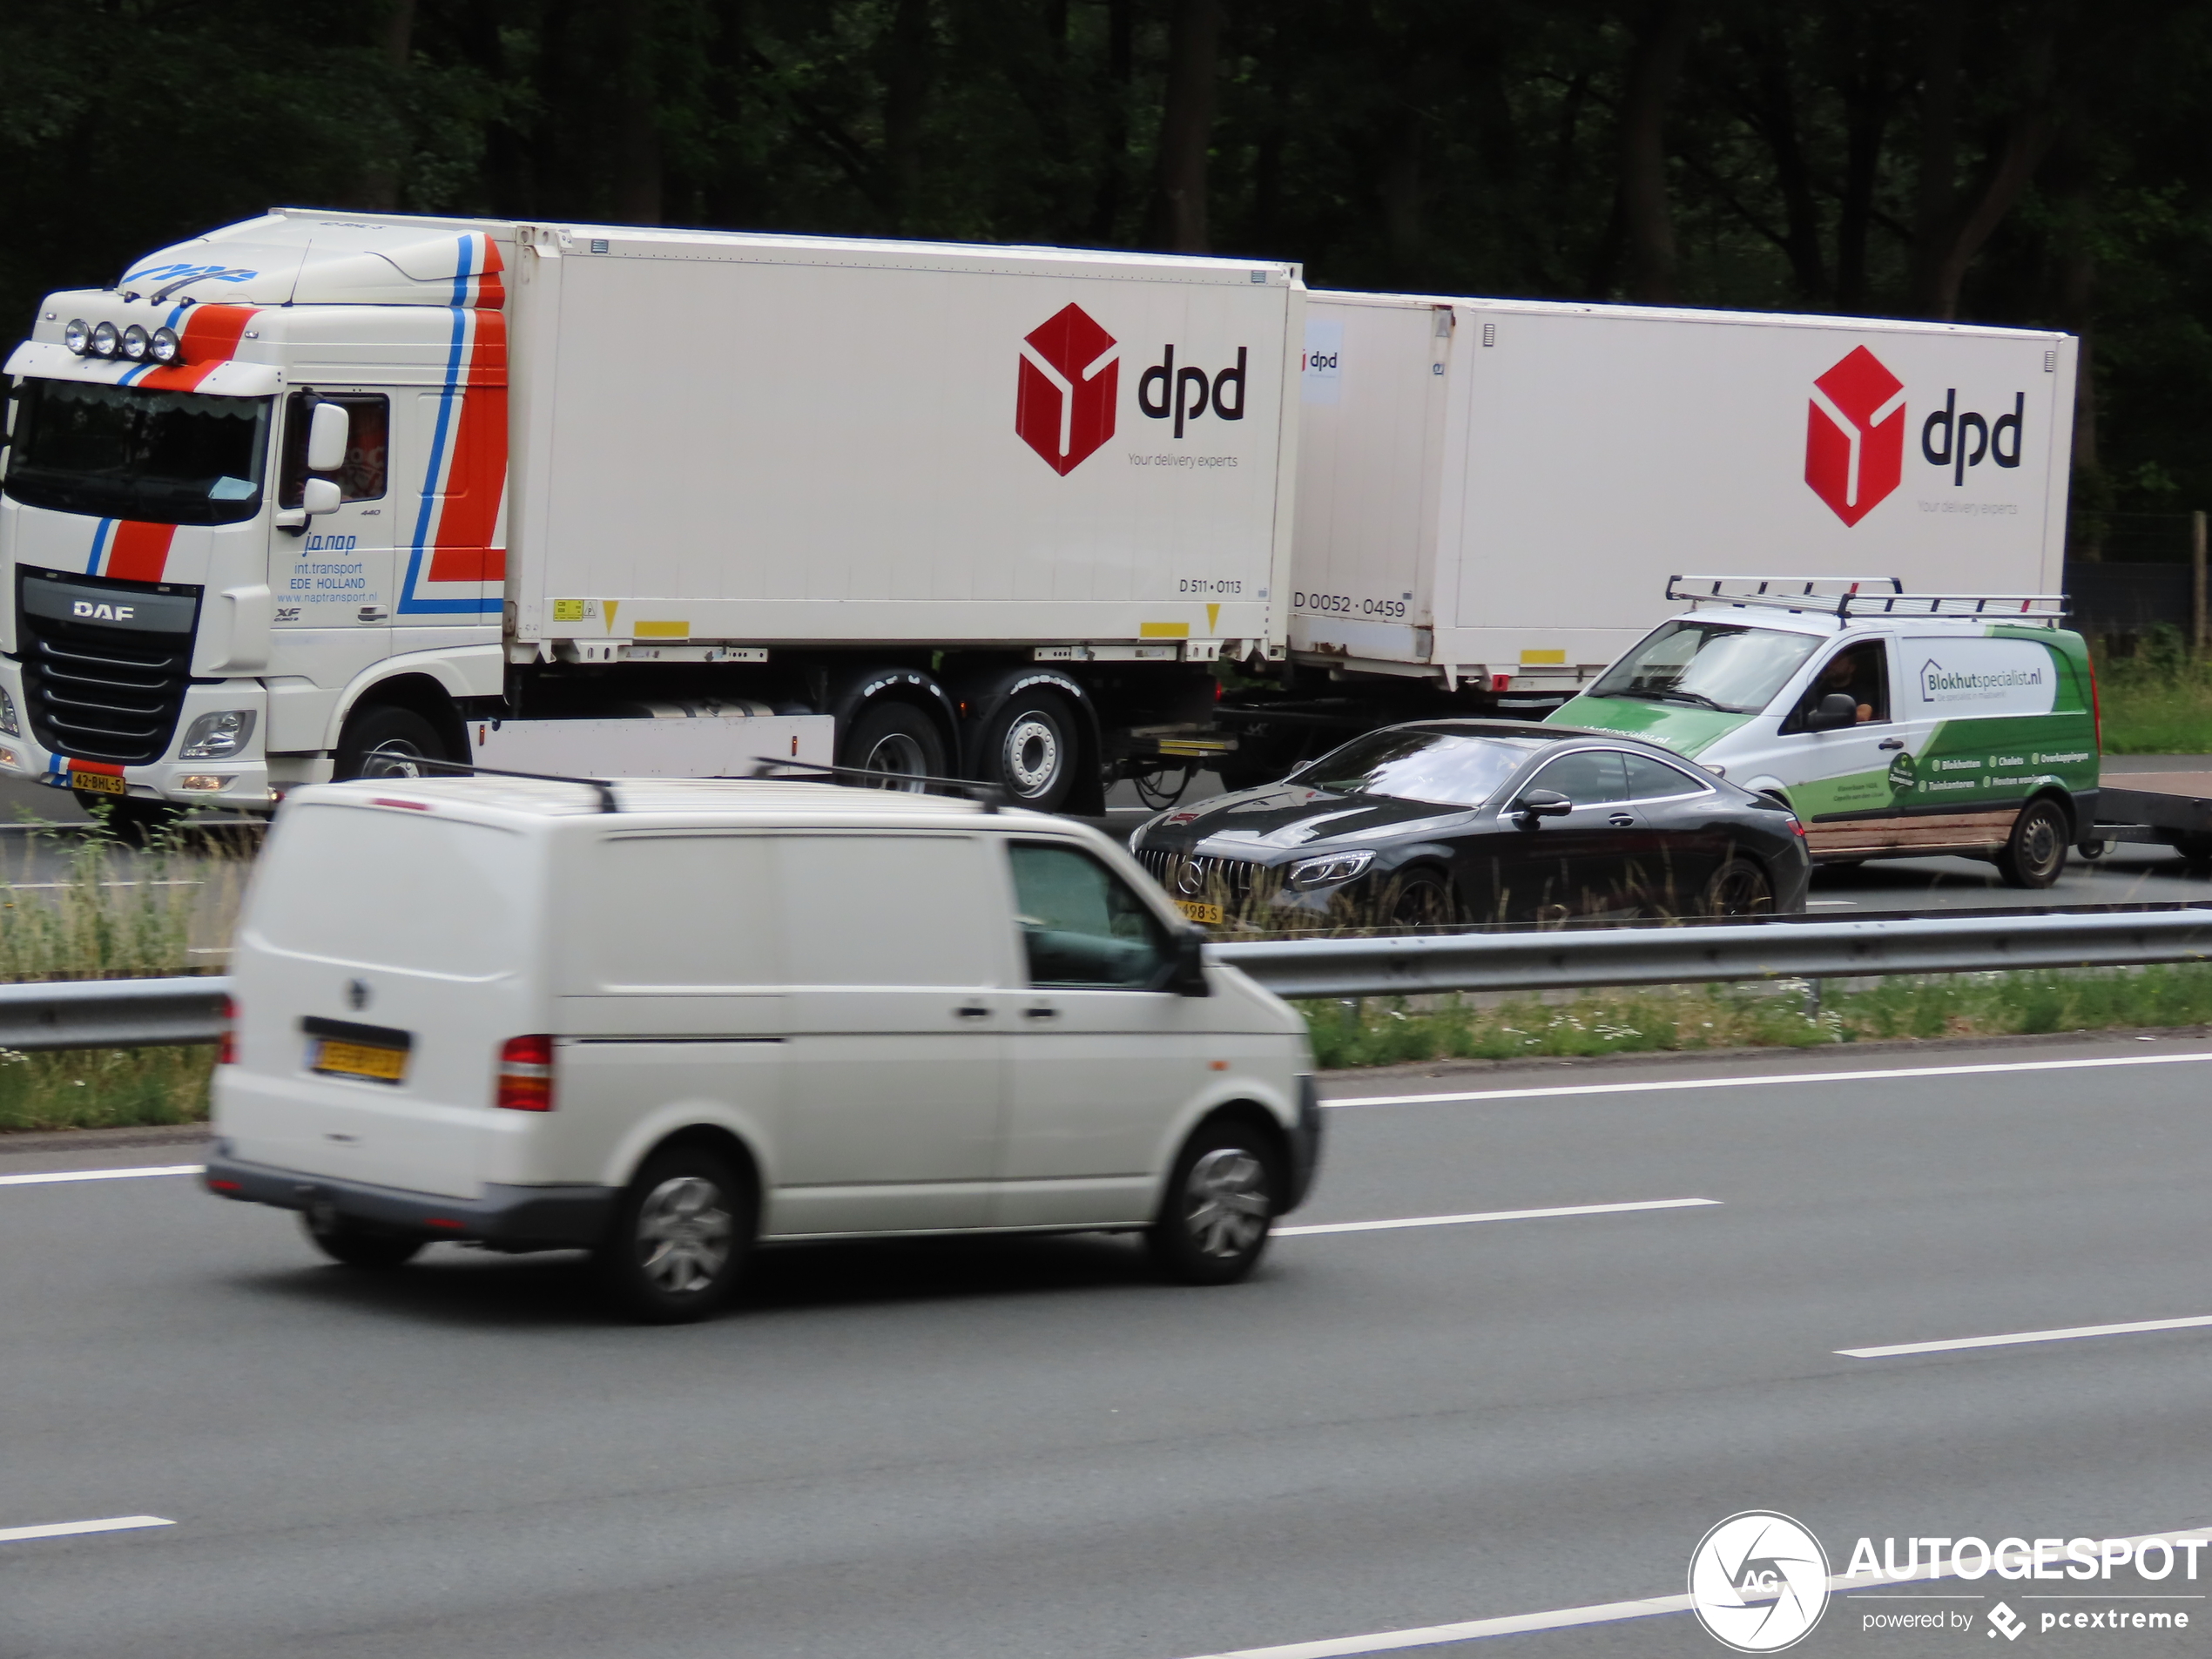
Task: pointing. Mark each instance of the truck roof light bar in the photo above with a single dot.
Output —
(1848, 597)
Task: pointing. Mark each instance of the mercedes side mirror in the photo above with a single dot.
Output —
(1541, 803)
(1833, 712)
(329, 428)
(318, 497)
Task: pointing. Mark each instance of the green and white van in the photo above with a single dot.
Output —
(1894, 724)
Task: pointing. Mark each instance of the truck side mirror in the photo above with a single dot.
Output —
(1832, 712)
(1541, 803)
(329, 429)
(318, 497)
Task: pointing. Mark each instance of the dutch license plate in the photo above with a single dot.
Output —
(98, 783)
(1195, 911)
(358, 1059)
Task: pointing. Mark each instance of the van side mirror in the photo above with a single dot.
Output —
(329, 429)
(1541, 803)
(1186, 975)
(1832, 712)
(318, 497)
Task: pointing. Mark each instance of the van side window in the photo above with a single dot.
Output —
(1081, 924)
(368, 445)
(1861, 672)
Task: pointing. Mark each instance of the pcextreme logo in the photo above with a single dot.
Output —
(1855, 436)
(1070, 373)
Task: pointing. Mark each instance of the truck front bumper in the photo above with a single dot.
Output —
(515, 1218)
(238, 781)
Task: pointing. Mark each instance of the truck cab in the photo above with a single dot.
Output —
(261, 475)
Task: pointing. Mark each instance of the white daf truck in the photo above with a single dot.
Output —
(318, 495)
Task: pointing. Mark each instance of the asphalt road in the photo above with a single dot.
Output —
(1028, 1448)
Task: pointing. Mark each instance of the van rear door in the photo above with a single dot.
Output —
(379, 969)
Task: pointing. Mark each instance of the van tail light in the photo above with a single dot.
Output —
(226, 1055)
(526, 1075)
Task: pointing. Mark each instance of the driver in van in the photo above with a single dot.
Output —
(1855, 674)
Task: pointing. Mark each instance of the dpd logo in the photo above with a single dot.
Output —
(1855, 436)
(1758, 1583)
(1070, 371)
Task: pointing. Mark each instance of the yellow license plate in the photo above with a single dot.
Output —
(359, 1060)
(1192, 909)
(98, 783)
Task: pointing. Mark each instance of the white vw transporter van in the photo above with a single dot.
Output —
(660, 1019)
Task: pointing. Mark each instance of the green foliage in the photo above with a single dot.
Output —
(103, 1088)
(111, 912)
(1671, 1019)
(2157, 701)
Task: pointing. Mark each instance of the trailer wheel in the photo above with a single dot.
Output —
(387, 742)
(895, 738)
(1029, 750)
(2034, 854)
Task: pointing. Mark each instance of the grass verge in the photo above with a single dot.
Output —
(1672, 1019)
(103, 1088)
(2158, 701)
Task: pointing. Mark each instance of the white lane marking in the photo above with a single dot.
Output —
(2066, 1335)
(1494, 1215)
(72, 1528)
(1890, 1075)
(46, 1177)
(1433, 1636)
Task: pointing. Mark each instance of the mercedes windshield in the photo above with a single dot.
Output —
(121, 452)
(1447, 768)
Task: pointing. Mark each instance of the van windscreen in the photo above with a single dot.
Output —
(387, 889)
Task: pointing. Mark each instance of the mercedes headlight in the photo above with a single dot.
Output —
(1333, 871)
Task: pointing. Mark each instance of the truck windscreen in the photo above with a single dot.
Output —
(117, 452)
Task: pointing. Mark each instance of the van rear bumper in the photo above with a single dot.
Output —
(506, 1217)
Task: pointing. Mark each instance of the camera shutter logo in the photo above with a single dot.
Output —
(1855, 436)
(1758, 1581)
(1070, 372)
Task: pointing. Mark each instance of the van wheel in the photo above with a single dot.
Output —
(678, 1240)
(1029, 750)
(386, 742)
(357, 1246)
(1220, 1203)
(2035, 853)
(897, 738)
(1739, 887)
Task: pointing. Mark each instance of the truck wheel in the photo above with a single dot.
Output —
(387, 742)
(1739, 887)
(1220, 1203)
(678, 1239)
(2035, 853)
(1029, 750)
(897, 738)
(354, 1245)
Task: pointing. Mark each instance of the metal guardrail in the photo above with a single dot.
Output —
(1809, 950)
(113, 1013)
(145, 1013)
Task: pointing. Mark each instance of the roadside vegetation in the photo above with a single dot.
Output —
(1782, 1014)
(2158, 700)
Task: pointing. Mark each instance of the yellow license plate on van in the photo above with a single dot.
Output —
(358, 1059)
(98, 783)
(1194, 911)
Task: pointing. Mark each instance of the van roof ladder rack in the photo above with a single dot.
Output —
(1860, 596)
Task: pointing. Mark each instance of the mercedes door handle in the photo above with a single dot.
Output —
(1890, 743)
(972, 1013)
(1621, 820)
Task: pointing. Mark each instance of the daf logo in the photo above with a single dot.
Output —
(1191, 880)
(97, 612)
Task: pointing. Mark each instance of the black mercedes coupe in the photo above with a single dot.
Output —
(1444, 821)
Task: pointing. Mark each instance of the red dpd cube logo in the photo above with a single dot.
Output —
(1070, 371)
(1855, 436)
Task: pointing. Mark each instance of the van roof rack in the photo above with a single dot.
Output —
(990, 797)
(1862, 595)
(604, 786)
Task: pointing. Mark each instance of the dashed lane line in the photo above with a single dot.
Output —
(1492, 1215)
